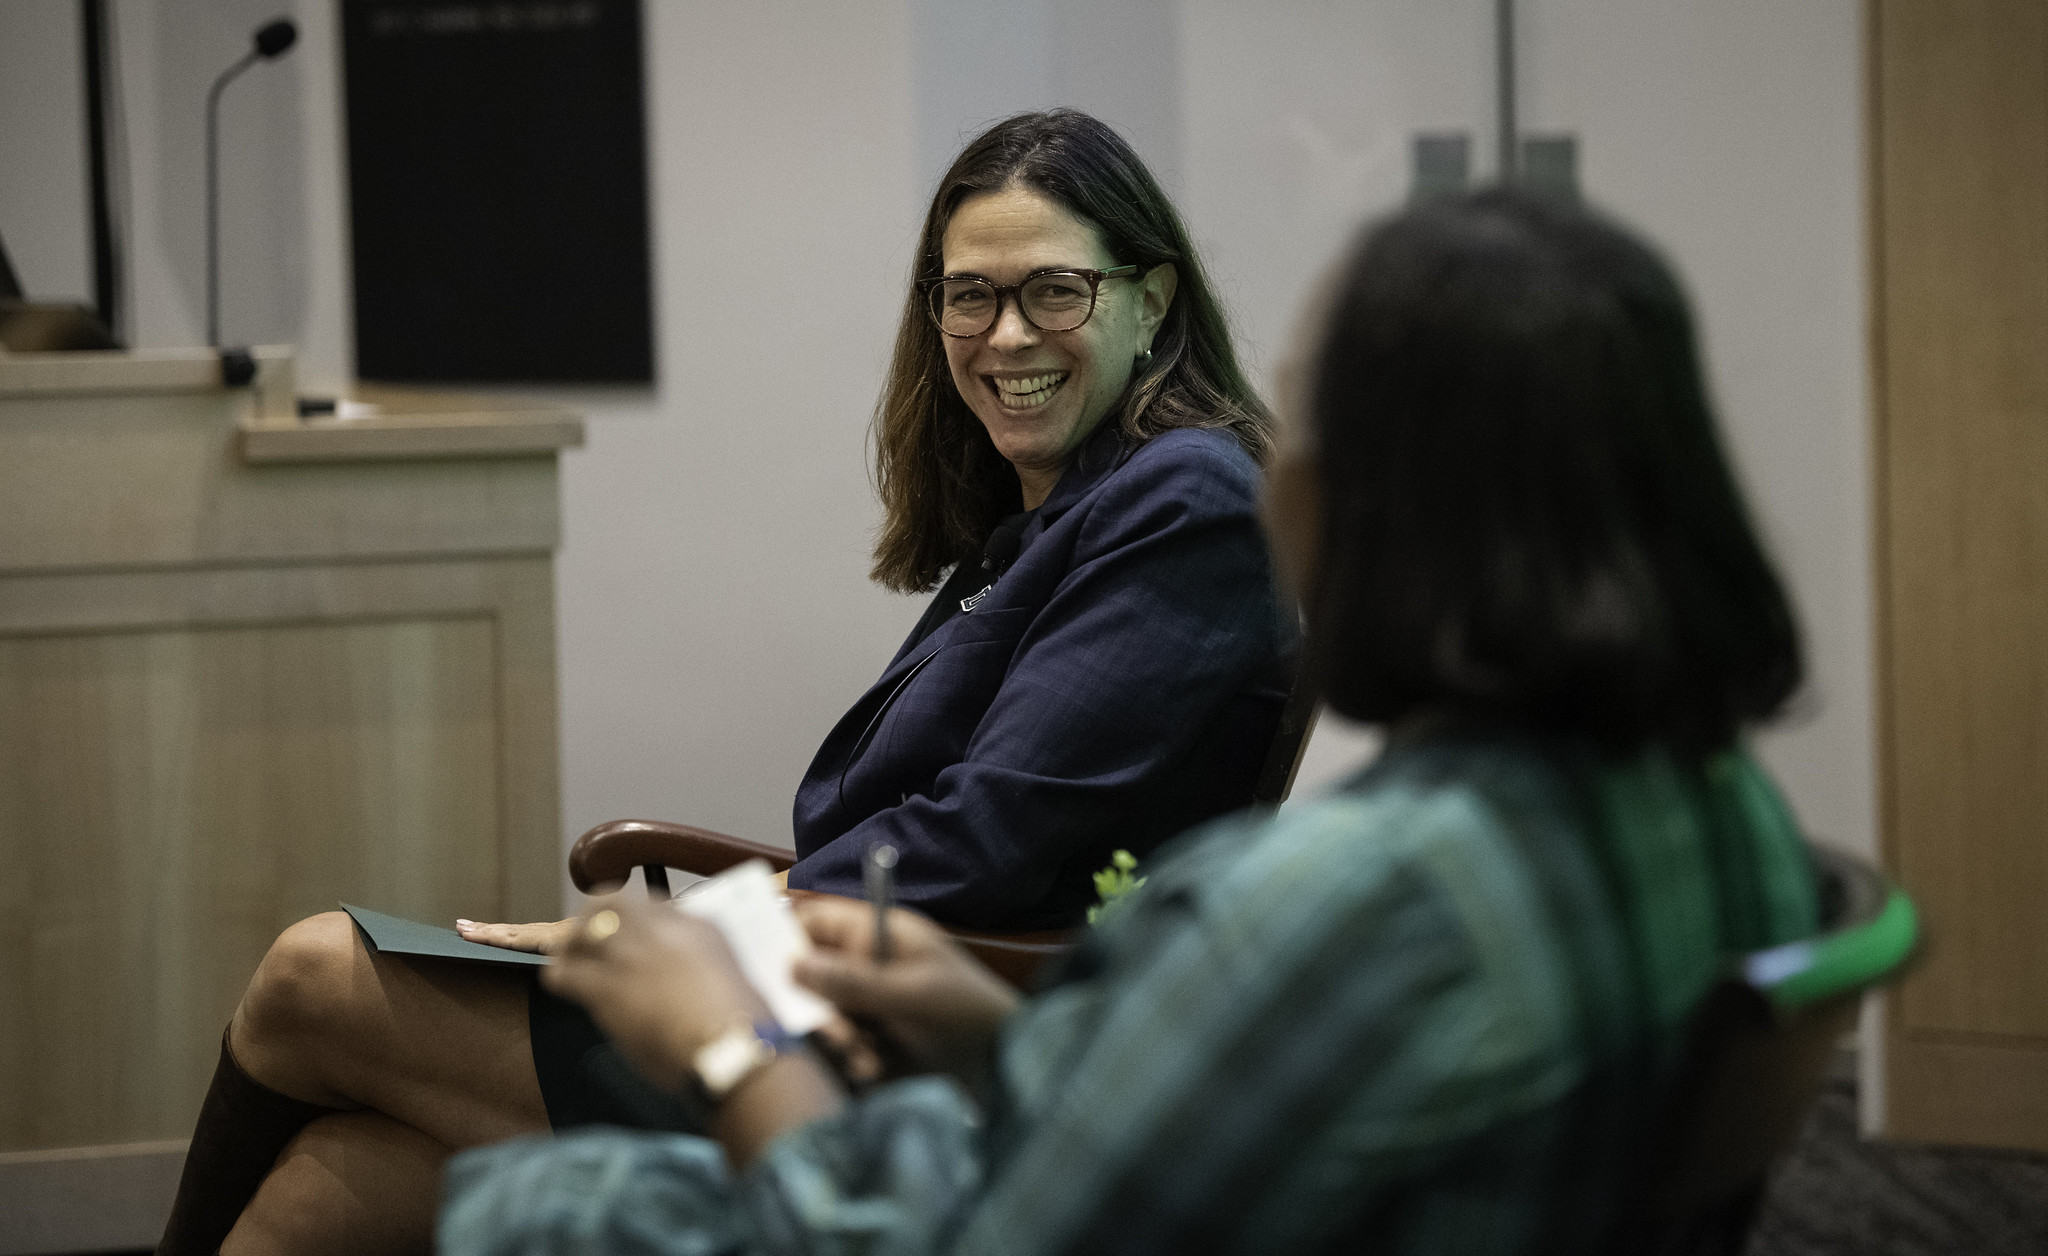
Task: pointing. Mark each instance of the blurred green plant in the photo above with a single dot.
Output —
(1113, 884)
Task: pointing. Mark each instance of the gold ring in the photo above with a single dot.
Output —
(603, 925)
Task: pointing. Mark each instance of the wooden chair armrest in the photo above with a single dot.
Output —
(606, 854)
(1017, 957)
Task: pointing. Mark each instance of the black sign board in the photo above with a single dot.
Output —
(498, 191)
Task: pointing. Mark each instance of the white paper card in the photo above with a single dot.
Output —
(748, 910)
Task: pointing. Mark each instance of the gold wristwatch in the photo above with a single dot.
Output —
(737, 1053)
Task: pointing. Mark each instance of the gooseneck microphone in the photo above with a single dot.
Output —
(271, 41)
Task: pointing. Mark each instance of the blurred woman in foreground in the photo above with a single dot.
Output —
(1432, 1011)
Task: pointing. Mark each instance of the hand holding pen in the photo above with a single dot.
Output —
(905, 979)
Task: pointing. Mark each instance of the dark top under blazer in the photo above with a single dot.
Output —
(1121, 682)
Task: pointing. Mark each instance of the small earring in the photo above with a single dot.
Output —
(1144, 359)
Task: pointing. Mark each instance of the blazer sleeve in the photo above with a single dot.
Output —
(1165, 612)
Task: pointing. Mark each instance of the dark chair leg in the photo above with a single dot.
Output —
(657, 879)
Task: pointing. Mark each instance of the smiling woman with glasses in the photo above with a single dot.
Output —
(1055, 290)
(1067, 445)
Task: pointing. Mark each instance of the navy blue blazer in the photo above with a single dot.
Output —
(1120, 682)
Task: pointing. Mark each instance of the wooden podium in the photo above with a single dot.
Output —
(250, 665)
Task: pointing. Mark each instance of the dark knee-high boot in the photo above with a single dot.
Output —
(243, 1125)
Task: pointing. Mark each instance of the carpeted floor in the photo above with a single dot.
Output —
(1837, 1195)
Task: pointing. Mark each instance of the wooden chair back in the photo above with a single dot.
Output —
(1290, 743)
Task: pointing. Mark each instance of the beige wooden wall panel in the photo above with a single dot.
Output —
(1960, 191)
(516, 592)
(170, 800)
(192, 759)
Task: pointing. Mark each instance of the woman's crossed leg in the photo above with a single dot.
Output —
(417, 1058)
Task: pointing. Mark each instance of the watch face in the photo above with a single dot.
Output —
(726, 1060)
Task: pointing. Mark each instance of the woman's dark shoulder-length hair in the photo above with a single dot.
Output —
(1528, 515)
(942, 483)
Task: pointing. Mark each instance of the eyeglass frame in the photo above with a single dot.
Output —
(1094, 277)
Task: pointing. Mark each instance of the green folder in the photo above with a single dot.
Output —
(409, 937)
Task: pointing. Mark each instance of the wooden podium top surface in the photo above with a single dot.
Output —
(137, 461)
(372, 421)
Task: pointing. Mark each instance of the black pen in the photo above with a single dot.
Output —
(878, 876)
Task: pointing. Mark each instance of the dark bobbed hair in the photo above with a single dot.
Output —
(942, 482)
(1527, 513)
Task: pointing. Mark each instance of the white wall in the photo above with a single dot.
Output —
(1730, 133)
(43, 192)
(715, 616)
(976, 61)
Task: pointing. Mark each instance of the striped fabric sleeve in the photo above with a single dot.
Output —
(1214, 1089)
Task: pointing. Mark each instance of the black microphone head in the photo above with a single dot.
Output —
(275, 37)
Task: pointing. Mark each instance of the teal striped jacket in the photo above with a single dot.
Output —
(1433, 1011)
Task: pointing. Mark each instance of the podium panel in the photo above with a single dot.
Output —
(237, 685)
(211, 786)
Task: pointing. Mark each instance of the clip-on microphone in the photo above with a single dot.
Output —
(996, 557)
(1002, 547)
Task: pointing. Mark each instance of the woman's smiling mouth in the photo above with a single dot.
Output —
(1027, 392)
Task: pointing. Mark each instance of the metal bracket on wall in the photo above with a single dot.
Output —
(1550, 164)
(1443, 165)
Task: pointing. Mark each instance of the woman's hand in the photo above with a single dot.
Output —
(545, 938)
(933, 998)
(662, 984)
